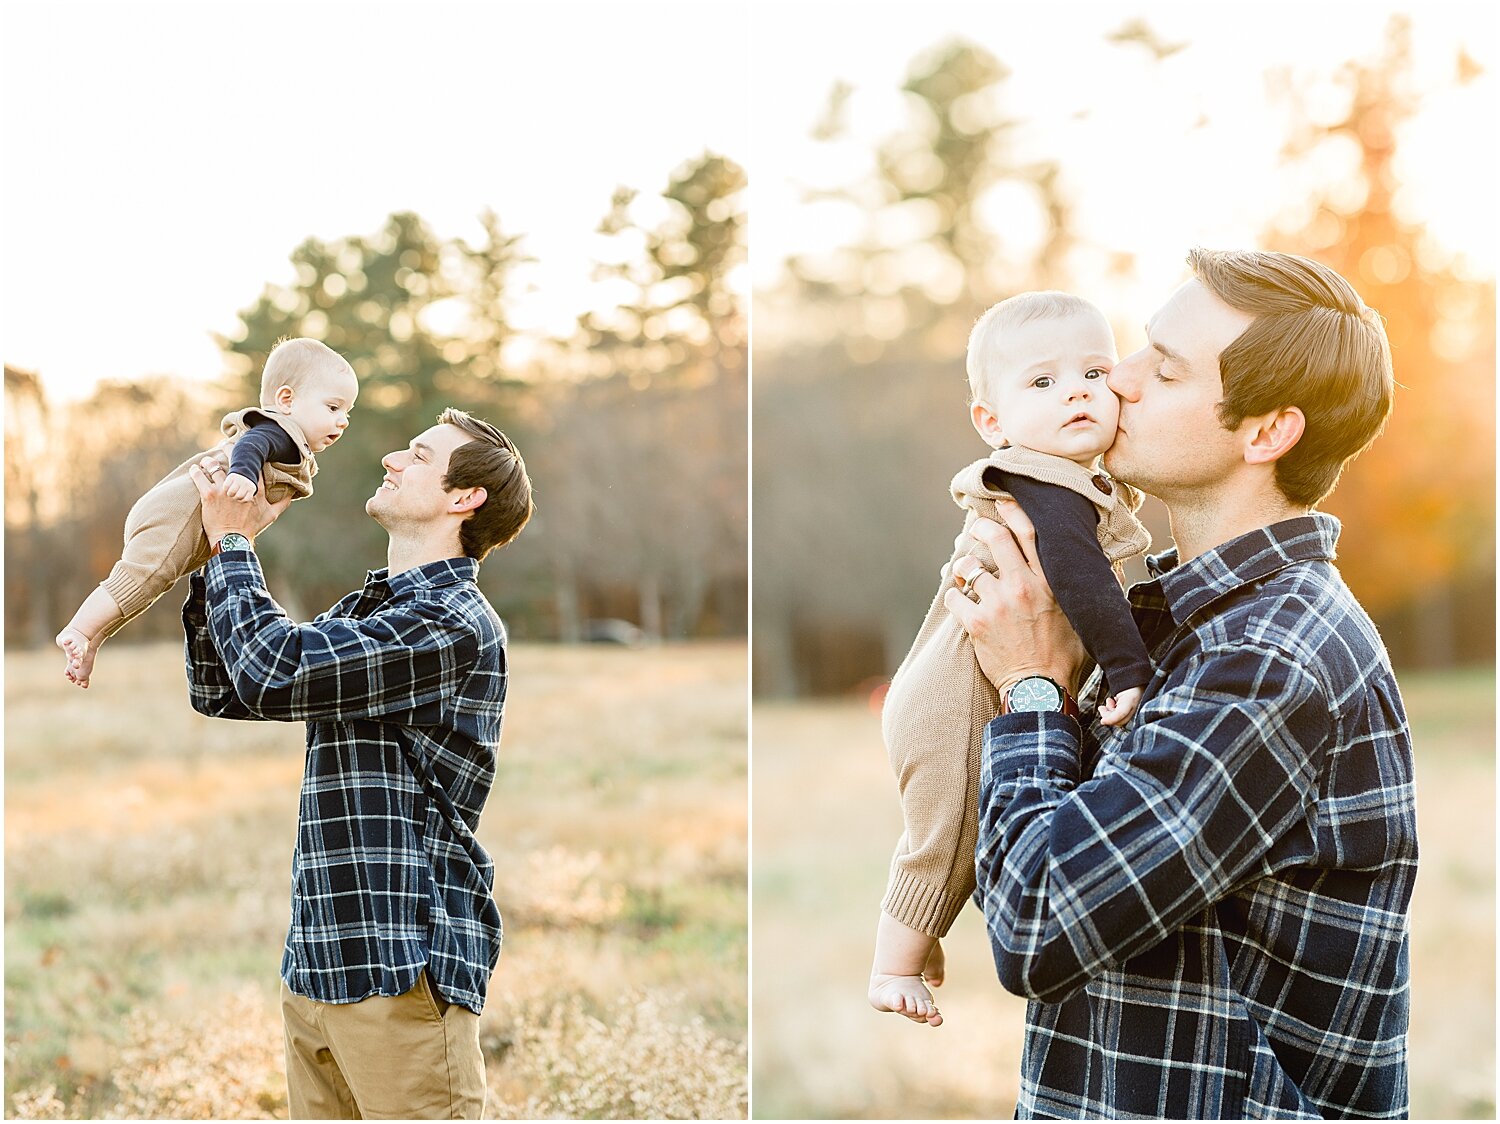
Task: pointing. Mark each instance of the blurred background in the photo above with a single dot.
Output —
(945, 157)
(535, 213)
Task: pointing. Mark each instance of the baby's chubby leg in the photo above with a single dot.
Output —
(903, 957)
(81, 638)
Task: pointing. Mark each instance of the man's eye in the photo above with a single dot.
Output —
(1042, 382)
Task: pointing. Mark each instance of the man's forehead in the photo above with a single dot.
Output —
(440, 438)
(1179, 306)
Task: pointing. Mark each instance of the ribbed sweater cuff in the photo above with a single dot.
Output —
(127, 594)
(919, 905)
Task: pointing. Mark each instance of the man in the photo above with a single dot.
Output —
(1208, 908)
(394, 932)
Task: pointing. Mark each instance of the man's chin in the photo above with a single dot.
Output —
(1118, 465)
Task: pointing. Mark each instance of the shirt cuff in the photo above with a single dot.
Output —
(232, 567)
(1032, 745)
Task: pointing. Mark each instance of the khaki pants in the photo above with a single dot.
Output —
(411, 1057)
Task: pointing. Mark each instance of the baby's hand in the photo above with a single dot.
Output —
(238, 487)
(1117, 709)
(905, 995)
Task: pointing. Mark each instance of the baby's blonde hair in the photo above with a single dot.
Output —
(293, 362)
(1012, 313)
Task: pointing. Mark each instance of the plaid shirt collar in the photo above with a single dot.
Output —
(1185, 589)
(429, 575)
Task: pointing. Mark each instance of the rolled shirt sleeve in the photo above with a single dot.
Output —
(1213, 785)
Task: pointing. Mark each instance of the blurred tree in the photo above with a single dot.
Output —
(491, 270)
(119, 441)
(1419, 507)
(863, 399)
(930, 257)
(33, 616)
(648, 452)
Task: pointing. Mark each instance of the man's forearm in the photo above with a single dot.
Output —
(1018, 792)
(210, 687)
(403, 663)
(1210, 785)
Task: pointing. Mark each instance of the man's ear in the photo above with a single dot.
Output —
(986, 424)
(1271, 436)
(470, 499)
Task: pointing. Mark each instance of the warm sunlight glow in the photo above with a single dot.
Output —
(1156, 154)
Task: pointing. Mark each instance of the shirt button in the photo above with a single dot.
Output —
(1103, 484)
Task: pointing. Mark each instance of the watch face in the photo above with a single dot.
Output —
(1035, 694)
(233, 541)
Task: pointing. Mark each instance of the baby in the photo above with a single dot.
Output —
(1037, 365)
(306, 392)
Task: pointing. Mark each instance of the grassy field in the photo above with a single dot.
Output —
(147, 857)
(819, 871)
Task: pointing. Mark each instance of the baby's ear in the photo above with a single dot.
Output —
(986, 424)
(284, 395)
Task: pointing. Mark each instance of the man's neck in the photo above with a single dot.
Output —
(1200, 523)
(404, 554)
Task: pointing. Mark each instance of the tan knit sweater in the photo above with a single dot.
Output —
(940, 702)
(164, 539)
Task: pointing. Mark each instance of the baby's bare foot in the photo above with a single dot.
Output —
(80, 651)
(905, 995)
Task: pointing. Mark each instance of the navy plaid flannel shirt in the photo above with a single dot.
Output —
(402, 685)
(1208, 909)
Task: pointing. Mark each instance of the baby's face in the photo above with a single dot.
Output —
(1045, 388)
(321, 407)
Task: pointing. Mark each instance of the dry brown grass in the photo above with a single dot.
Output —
(147, 856)
(820, 865)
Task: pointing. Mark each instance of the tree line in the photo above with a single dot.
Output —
(633, 426)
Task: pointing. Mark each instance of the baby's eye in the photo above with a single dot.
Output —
(1042, 382)
(1095, 373)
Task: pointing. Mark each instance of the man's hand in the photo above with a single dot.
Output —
(222, 514)
(1016, 625)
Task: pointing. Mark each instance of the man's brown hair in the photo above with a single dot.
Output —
(492, 462)
(1314, 345)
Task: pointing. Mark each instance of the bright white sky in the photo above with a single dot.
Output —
(163, 160)
(1147, 175)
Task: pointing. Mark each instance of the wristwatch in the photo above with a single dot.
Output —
(1039, 693)
(232, 541)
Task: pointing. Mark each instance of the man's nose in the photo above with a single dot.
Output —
(1122, 378)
